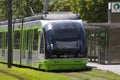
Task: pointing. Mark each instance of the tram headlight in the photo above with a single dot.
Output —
(51, 45)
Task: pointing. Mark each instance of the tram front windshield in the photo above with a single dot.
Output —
(63, 39)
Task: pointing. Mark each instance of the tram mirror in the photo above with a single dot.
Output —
(39, 30)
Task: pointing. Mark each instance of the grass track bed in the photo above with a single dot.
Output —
(92, 75)
(4, 76)
(16, 73)
(30, 74)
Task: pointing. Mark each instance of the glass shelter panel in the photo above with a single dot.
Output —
(97, 41)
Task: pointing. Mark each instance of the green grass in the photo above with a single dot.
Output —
(104, 74)
(16, 73)
(7, 77)
(30, 74)
(93, 75)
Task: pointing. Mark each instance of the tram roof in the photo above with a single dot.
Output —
(50, 16)
(44, 22)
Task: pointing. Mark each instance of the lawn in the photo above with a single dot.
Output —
(7, 77)
(92, 75)
(16, 73)
(28, 74)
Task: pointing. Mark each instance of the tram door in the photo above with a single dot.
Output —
(42, 46)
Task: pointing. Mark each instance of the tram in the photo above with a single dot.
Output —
(46, 41)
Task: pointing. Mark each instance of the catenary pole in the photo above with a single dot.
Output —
(10, 55)
(45, 8)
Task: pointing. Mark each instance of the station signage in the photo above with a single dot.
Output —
(115, 7)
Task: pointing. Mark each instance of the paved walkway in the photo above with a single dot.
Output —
(112, 68)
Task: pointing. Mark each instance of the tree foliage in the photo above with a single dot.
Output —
(59, 5)
(90, 10)
(3, 10)
(20, 8)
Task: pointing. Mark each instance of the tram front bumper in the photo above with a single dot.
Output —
(63, 64)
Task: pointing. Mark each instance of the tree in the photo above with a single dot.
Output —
(20, 8)
(91, 10)
(59, 5)
(3, 10)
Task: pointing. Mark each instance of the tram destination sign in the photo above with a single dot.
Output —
(115, 7)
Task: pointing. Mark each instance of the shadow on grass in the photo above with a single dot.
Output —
(88, 68)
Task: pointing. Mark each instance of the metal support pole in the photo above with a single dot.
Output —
(10, 55)
(45, 9)
(109, 12)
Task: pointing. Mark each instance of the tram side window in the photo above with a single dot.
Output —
(6, 40)
(17, 40)
(25, 40)
(30, 43)
(24, 44)
(3, 39)
(42, 44)
(0, 40)
(35, 40)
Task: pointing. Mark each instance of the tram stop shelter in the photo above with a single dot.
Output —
(103, 42)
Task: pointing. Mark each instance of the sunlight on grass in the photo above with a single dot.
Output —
(104, 74)
(30, 74)
(7, 77)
